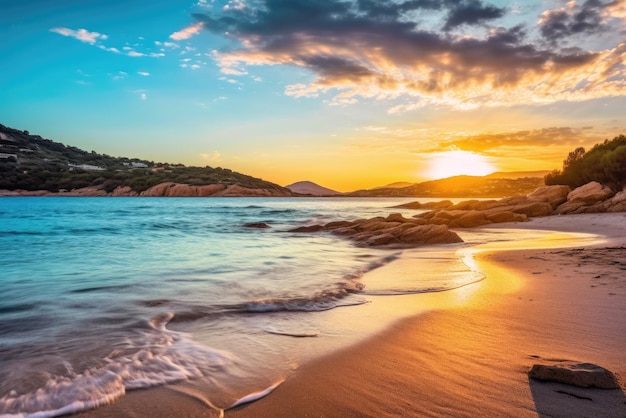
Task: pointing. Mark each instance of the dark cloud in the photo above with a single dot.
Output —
(471, 12)
(374, 47)
(572, 20)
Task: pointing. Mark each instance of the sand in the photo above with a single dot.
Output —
(469, 353)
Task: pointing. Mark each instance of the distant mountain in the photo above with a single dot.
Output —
(396, 185)
(517, 174)
(32, 163)
(459, 186)
(310, 188)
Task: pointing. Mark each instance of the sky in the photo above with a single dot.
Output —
(349, 94)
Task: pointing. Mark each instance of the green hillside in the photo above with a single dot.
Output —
(30, 162)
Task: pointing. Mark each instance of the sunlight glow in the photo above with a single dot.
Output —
(455, 163)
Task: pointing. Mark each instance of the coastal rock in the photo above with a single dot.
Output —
(584, 375)
(590, 193)
(507, 216)
(392, 230)
(617, 203)
(256, 225)
(312, 228)
(554, 195)
(429, 234)
(170, 189)
(123, 191)
(533, 208)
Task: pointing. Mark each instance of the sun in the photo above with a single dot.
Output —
(458, 162)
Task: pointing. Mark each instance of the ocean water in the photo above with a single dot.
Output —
(105, 295)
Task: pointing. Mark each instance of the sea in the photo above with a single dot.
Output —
(102, 296)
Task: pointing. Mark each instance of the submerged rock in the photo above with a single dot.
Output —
(257, 225)
(584, 375)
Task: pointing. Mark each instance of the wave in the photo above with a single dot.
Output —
(156, 356)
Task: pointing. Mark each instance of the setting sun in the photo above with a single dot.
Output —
(455, 163)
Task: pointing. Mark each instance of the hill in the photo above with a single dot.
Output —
(459, 186)
(396, 185)
(310, 188)
(517, 174)
(30, 162)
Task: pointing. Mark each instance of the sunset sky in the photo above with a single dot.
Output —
(349, 94)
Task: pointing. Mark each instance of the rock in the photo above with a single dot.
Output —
(568, 207)
(381, 239)
(123, 191)
(584, 375)
(337, 224)
(533, 208)
(469, 219)
(388, 231)
(617, 203)
(507, 216)
(258, 225)
(590, 193)
(311, 228)
(396, 217)
(429, 234)
(428, 205)
(554, 195)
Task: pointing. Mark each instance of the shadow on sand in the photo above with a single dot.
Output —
(560, 400)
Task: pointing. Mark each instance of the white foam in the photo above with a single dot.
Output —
(158, 357)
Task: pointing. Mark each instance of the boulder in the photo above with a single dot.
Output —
(311, 228)
(123, 191)
(396, 217)
(381, 239)
(469, 219)
(590, 193)
(617, 203)
(554, 195)
(429, 234)
(256, 225)
(584, 375)
(533, 208)
(337, 224)
(568, 207)
(507, 216)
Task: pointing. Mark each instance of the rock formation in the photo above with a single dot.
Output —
(544, 201)
(394, 230)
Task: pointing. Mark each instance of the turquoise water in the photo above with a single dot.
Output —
(105, 295)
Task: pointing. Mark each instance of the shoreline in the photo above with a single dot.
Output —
(469, 357)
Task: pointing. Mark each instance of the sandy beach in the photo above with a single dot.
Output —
(469, 353)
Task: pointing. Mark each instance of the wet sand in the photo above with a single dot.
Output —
(469, 354)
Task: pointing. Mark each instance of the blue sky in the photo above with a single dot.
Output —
(346, 93)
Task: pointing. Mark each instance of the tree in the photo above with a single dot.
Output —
(604, 163)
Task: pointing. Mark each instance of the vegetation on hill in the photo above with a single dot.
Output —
(30, 162)
(604, 163)
(459, 186)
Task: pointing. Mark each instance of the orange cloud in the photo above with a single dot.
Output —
(187, 32)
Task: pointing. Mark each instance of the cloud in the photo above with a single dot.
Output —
(188, 32)
(95, 38)
(143, 73)
(573, 19)
(471, 12)
(379, 49)
(82, 35)
(213, 156)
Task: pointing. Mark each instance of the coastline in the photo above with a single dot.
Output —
(470, 356)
